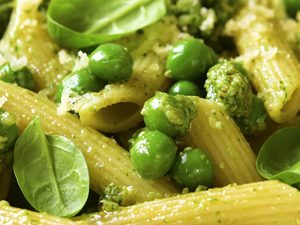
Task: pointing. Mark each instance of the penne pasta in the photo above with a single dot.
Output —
(12, 215)
(33, 45)
(214, 131)
(262, 203)
(267, 55)
(107, 161)
(102, 110)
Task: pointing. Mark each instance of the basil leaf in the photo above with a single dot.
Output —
(81, 23)
(51, 172)
(279, 157)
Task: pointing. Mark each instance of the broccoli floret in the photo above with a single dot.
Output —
(192, 16)
(204, 18)
(224, 9)
(114, 196)
(228, 85)
(5, 12)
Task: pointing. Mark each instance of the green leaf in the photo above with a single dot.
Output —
(51, 172)
(279, 157)
(81, 23)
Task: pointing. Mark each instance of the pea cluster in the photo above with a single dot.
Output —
(187, 63)
(153, 149)
(108, 63)
(167, 116)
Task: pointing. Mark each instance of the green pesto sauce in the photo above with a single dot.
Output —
(114, 196)
(228, 86)
(109, 206)
(179, 110)
(188, 104)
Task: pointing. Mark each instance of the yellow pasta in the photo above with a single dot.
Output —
(262, 203)
(33, 46)
(11, 215)
(214, 131)
(107, 161)
(266, 53)
(117, 107)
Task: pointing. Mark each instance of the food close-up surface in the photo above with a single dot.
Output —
(150, 112)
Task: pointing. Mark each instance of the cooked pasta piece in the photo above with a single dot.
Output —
(107, 161)
(11, 215)
(261, 203)
(216, 133)
(267, 55)
(27, 43)
(117, 107)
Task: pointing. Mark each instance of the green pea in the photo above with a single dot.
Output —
(165, 113)
(292, 7)
(111, 63)
(185, 87)
(80, 82)
(22, 77)
(190, 59)
(193, 168)
(8, 131)
(152, 153)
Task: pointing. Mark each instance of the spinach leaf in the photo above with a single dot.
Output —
(81, 23)
(51, 172)
(279, 157)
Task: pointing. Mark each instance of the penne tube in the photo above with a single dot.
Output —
(12, 215)
(261, 203)
(117, 107)
(107, 162)
(268, 56)
(27, 43)
(215, 132)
